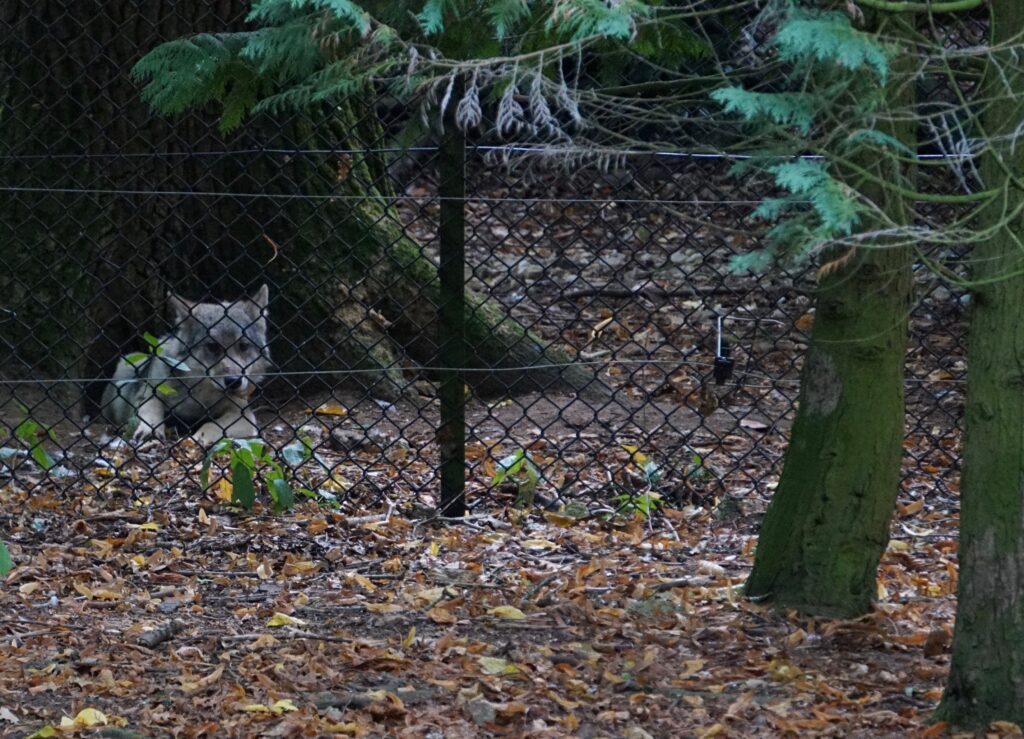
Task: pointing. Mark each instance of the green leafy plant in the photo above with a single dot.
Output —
(646, 504)
(252, 459)
(33, 435)
(696, 469)
(647, 501)
(139, 359)
(6, 564)
(519, 469)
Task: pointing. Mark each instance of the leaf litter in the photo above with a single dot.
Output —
(185, 616)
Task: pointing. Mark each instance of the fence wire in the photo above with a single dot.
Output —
(612, 356)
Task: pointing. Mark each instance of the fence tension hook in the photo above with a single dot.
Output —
(722, 371)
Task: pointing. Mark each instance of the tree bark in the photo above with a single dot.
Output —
(828, 522)
(87, 272)
(986, 678)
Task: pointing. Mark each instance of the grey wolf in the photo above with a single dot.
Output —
(204, 371)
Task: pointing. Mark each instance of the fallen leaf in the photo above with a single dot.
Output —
(283, 619)
(442, 616)
(753, 424)
(497, 666)
(86, 717)
(538, 544)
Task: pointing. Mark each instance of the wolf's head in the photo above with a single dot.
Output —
(226, 341)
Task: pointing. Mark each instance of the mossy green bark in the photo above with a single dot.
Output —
(828, 522)
(986, 678)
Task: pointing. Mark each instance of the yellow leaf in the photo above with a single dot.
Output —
(783, 671)
(497, 666)
(191, 686)
(330, 409)
(30, 587)
(83, 589)
(283, 619)
(304, 567)
(363, 582)
(409, 638)
(255, 708)
(434, 549)
(224, 490)
(44, 733)
(430, 595)
(560, 519)
(635, 455)
(441, 616)
(283, 706)
(148, 526)
(88, 717)
(506, 612)
(385, 608)
(691, 667)
(538, 544)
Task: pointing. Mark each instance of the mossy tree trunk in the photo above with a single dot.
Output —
(86, 272)
(986, 678)
(828, 522)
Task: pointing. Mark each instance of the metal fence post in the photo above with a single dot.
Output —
(451, 435)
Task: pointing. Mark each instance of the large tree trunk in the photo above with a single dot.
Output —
(986, 678)
(87, 272)
(828, 522)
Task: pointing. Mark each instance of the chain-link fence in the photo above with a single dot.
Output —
(610, 357)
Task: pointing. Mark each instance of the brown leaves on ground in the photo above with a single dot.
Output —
(184, 617)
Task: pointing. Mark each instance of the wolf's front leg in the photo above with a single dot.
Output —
(151, 415)
(236, 423)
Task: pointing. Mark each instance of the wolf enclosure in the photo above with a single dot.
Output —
(108, 209)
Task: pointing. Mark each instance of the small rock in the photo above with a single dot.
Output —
(613, 259)
(635, 732)
(481, 711)
(528, 269)
(349, 440)
(169, 606)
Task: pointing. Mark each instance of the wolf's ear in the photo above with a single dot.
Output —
(181, 308)
(262, 298)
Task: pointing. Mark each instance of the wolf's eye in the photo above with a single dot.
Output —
(211, 347)
(244, 346)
